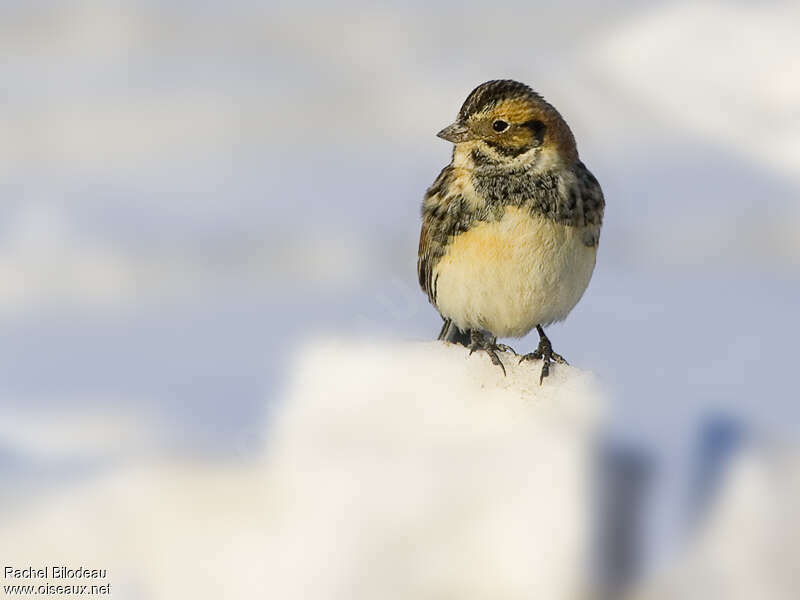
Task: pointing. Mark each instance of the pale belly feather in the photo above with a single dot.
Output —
(510, 275)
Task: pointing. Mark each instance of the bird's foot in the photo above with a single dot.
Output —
(504, 348)
(479, 341)
(544, 352)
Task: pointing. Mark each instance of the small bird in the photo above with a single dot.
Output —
(510, 227)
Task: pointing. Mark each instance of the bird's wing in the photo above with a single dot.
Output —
(430, 246)
(425, 261)
(592, 204)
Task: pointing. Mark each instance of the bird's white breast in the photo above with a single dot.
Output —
(508, 276)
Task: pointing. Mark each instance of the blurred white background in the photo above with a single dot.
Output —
(191, 189)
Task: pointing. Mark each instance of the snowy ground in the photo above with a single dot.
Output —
(396, 471)
(749, 544)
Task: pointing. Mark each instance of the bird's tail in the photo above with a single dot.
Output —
(451, 333)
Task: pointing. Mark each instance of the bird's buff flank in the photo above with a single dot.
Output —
(510, 227)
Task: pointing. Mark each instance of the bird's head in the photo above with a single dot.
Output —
(504, 123)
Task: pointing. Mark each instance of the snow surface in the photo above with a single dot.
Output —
(750, 545)
(419, 471)
(392, 471)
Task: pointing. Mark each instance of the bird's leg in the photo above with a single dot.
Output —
(545, 352)
(479, 341)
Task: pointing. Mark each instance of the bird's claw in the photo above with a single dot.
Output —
(504, 348)
(546, 354)
(480, 342)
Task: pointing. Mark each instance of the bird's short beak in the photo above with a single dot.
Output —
(457, 132)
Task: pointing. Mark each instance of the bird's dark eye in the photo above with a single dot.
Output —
(499, 126)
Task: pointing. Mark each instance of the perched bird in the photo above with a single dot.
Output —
(510, 227)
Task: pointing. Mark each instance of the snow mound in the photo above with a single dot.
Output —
(391, 471)
(749, 547)
(417, 470)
